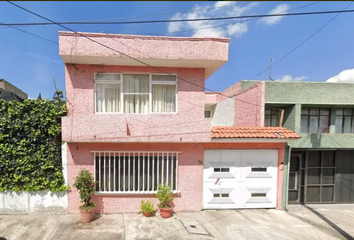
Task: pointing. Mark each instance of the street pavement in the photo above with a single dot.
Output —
(299, 222)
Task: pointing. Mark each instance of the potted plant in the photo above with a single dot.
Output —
(147, 208)
(86, 187)
(165, 196)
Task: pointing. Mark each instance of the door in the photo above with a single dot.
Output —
(319, 177)
(240, 179)
(294, 178)
(344, 179)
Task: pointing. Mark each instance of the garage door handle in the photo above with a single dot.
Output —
(217, 180)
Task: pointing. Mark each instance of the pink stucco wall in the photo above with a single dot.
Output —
(83, 125)
(211, 98)
(230, 91)
(190, 175)
(144, 47)
(249, 106)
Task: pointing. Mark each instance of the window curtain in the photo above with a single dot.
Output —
(136, 103)
(163, 98)
(107, 97)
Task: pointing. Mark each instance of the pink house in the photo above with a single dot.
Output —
(139, 116)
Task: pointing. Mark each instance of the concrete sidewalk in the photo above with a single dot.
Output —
(297, 223)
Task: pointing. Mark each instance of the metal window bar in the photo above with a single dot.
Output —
(153, 173)
(167, 160)
(148, 172)
(109, 173)
(114, 174)
(133, 172)
(123, 176)
(162, 169)
(139, 173)
(171, 180)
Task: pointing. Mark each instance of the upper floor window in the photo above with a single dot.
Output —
(208, 111)
(314, 120)
(344, 120)
(135, 93)
(272, 117)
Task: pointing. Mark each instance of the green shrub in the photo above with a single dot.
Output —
(85, 185)
(147, 207)
(165, 196)
(30, 146)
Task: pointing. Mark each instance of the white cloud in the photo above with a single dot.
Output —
(289, 78)
(282, 8)
(223, 3)
(175, 26)
(237, 29)
(346, 76)
(224, 28)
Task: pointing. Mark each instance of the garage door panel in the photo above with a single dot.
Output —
(221, 198)
(255, 196)
(231, 156)
(258, 172)
(267, 155)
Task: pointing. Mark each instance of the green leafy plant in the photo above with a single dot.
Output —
(165, 195)
(30, 146)
(86, 186)
(147, 206)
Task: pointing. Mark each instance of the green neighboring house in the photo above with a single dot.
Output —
(320, 165)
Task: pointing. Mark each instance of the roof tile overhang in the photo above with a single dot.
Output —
(253, 133)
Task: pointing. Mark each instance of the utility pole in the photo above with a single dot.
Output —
(270, 70)
(56, 91)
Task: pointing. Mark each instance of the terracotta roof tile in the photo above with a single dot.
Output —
(253, 132)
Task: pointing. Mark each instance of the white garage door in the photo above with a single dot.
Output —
(240, 179)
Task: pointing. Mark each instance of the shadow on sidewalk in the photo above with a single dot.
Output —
(330, 223)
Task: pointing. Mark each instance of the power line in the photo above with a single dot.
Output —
(170, 13)
(302, 43)
(183, 20)
(222, 25)
(160, 14)
(35, 35)
(128, 56)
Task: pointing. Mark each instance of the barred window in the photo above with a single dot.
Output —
(134, 172)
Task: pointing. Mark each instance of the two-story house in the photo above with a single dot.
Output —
(138, 115)
(319, 167)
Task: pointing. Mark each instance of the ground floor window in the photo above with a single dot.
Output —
(134, 172)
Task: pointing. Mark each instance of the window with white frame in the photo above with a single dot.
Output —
(135, 172)
(135, 93)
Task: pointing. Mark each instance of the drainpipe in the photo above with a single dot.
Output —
(287, 180)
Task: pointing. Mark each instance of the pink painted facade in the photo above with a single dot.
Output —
(211, 98)
(186, 131)
(187, 125)
(190, 177)
(249, 106)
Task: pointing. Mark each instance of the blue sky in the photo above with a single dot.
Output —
(31, 63)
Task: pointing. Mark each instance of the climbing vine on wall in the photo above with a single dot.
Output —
(30, 145)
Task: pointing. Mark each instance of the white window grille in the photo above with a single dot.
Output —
(135, 93)
(134, 172)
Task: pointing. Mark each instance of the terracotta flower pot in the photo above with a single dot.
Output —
(147, 214)
(165, 212)
(87, 215)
